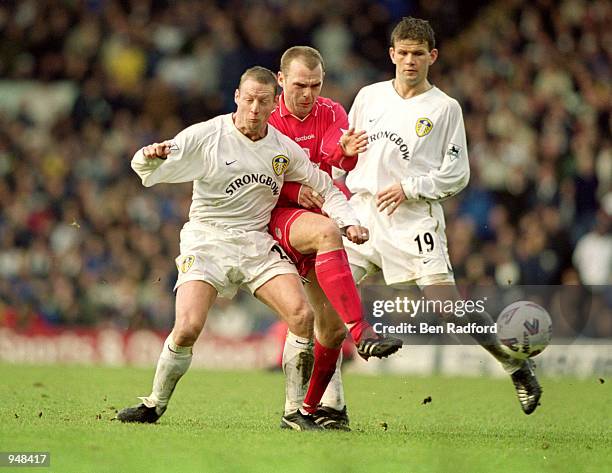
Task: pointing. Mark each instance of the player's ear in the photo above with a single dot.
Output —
(276, 97)
(433, 55)
(236, 96)
(280, 78)
(392, 54)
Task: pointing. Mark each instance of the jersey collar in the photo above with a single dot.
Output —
(245, 139)
(284, 111)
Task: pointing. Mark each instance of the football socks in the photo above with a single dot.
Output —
(325, 360)
(298, 360)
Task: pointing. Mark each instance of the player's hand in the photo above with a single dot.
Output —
(353, 143)
(390, 198)
(357, 234)
(157, 150)
(310, 198)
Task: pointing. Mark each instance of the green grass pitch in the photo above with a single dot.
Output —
(229, 422)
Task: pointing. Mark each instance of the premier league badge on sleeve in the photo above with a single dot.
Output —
(279, 164)
(423, 127)
(453, 151)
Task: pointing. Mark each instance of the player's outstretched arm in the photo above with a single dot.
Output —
(157, 150)
(303, 171)
(182, 159)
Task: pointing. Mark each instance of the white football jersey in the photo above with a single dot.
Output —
(419, 142)
(237, 181)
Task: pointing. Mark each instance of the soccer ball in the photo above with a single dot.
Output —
(524, 329)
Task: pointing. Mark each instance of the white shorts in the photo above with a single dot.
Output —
(228, 259)
(409, 246)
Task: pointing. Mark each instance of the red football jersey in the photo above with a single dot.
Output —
(318, 134)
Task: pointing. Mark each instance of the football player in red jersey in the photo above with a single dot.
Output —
(314, 242)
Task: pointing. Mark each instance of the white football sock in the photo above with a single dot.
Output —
(297, 366)
(334, 394)
(173, 363)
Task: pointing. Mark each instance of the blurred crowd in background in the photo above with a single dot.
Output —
(84, 84)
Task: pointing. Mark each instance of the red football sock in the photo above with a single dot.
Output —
(335, 278)
(322, 371)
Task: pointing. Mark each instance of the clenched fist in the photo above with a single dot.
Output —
(357, 234)
(310, 198)
(157, 150)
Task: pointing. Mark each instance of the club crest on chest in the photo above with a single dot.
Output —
(279, 164)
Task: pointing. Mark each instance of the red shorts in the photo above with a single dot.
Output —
(280, 228)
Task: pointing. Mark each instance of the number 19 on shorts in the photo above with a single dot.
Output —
(425, 242)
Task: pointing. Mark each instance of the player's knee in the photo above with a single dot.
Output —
(186, 331)
(328, 235)
(301, 319)
(185, 336)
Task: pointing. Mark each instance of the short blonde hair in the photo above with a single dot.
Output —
(310, 57)
(260, 75)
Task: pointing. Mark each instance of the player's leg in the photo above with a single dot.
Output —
(193, 301)
(330, 333)
(522, 374)
(444, 292)
(314, 233)
(285, 295)
(333, 405)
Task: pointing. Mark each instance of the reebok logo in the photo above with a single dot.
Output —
(304, 138)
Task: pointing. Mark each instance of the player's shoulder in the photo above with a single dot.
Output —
(328, 109)
(279, 137)
(328, 103)
(376, 88)
(444, 99)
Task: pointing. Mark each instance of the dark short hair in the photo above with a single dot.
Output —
(414, 29)
(310, 57)
(261, 75)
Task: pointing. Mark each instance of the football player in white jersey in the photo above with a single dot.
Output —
(416, 157)
(237, 164)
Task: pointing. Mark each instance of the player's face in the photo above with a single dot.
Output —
(255, 103)
(412, 60)
(301, 87)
